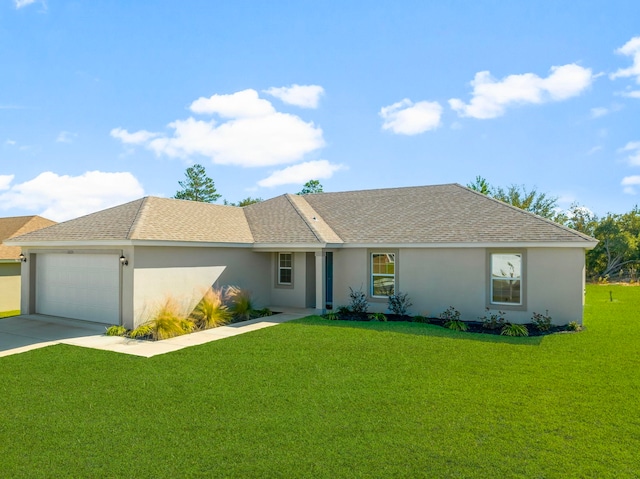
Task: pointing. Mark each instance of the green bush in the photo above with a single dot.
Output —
(142, 331)
(456, 325)
(116, 331)
(331, 315)
(343, 310)
(241, 303)
(542, 322)
(574, 326)
(450, 314)
(420, 319)
(514, 330)
(359, 303)
(493, 320)
(399, 303)
(264, 312)
(211, 311)
(377, 317)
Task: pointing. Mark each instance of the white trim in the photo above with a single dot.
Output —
(272, 247)
(545, 244)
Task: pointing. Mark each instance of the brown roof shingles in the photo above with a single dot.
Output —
(412, 215)
(16, 226)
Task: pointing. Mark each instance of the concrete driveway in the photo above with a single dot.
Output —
(24, 333)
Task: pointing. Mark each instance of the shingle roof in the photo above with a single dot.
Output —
(15, 226)
(412, 215)
(433, 214)
(153, 218)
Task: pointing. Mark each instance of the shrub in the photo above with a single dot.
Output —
(211, 311)
(359, 303)
(142, 331)
(377, 317)
(168, 321)
(493, 320)
(116, 331)
(264, 312)
(542, 322)
(420, 319)
(333, 316)
(399, 303)
(343, 310)
(450, 314)
(241, 303)
(574, 326)
(456, 325)
(514, 330)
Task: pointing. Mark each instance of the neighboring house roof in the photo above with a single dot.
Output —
(16, 226)
(423, 215)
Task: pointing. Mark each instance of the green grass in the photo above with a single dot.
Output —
(7, 314)
(320, 398)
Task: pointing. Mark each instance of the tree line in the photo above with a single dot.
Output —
(617, 254)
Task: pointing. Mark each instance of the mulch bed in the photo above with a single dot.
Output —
(472, 326)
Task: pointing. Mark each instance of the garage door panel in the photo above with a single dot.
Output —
(80, 286)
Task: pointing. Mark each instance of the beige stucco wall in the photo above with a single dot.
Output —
(9, 286)
(295, 295)
(184, 273)
(441, 277)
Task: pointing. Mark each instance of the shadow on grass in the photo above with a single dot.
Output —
(419, 329)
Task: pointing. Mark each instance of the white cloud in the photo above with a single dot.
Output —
(631, 49)
(598, 112)
(631, 93)
(10, 142)
(304, 96)
(407, 118)
(5, 181)
(23, 3)
(593, 150)
(135, 138)
(633, 150)
(242, 104)
(491, 97)
(65, 137)
(300, 174)
(62, 197)
(629, 183)
(254, 135)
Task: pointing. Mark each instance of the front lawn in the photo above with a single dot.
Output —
(320, 398)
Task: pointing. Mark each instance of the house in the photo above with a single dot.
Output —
(444, 245)
(9, 257)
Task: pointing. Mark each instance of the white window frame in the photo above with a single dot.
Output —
(281, 268)
(372, 274)
(521, 278)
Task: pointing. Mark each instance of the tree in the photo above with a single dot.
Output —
(311, 187)
(517, 195)
(480, 185)
(197, 186)
(246, 202)
(619, 243)
(530, 200)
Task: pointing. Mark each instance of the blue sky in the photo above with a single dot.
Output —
(102, 102)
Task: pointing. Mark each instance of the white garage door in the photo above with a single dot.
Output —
(80, 286)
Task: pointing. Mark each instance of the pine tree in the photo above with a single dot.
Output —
(197, 186)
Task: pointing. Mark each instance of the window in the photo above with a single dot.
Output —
(285, 268)
(506, 278)
(383, 274)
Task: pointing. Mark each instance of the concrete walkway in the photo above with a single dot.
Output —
(24, 333)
